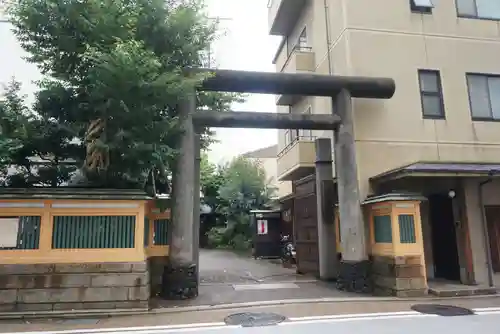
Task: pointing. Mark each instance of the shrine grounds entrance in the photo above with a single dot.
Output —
(181, 275)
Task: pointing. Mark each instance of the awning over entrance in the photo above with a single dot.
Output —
(439, 169)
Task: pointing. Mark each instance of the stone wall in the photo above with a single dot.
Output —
(400, 276)
(47, 287)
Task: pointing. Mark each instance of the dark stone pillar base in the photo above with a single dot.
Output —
(180, 281)
(355, 277)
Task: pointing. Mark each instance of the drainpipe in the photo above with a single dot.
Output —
(486, 236)
(328, 42)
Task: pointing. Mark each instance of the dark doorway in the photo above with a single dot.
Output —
(493, 221)
(444, 240)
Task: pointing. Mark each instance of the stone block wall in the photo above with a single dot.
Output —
(53, 287)
(400, 276)
(156, 266)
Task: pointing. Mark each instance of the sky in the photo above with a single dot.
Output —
(244, 45)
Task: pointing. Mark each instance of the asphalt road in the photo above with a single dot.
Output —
(484, 321)
(407, 324)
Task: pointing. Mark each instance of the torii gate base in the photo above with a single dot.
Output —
(180, 279)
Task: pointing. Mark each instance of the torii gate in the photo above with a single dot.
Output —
(180, 279)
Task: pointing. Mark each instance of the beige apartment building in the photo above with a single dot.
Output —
(439, 136)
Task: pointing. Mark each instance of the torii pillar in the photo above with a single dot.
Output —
(181, 275)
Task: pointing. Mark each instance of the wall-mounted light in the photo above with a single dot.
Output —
(452, 194)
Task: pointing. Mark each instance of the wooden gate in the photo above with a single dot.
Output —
(305, 226)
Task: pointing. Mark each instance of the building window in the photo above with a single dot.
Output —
(421, 6)
(294, 134)
(302, 44)
(305, 133)
(431, 94)
(407, 229)
(484, 96)
(291, 136)
(287, 138)
(382, 229)
(481, 9)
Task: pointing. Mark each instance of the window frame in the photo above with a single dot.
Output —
(474, 17)
(419, 9)
(302, 43)
(487, 75)
(303, 40)
(302, 132)
(439, 94)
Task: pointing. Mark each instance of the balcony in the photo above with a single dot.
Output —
(301, 59)
(297, 159)
(283, 15)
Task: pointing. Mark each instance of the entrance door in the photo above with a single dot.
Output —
(306, 227)
(493, 221)
(444, 240)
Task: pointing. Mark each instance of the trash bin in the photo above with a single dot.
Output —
(266, 225)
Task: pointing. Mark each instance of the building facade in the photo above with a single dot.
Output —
(438, 136)
(267, 158)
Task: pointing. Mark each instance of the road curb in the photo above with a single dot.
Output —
(306, 301)
(200, 308)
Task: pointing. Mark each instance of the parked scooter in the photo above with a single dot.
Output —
(288, 252)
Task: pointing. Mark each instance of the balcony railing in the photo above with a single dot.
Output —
(296, 48)
(296, 159)
(289, 146)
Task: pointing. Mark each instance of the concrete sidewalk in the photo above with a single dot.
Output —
(228, 278)
(267, 291)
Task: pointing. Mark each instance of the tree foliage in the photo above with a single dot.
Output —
(244, 187)
(114, 74)
(211, 179)
(235, 188)
(35, 150)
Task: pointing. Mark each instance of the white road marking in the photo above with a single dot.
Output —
(132, 329)
(353, 315)
(358, 319)
(488, 309)
(269, 286)
(376, 316)
(290, 321)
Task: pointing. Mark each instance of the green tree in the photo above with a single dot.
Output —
(34, 149)
(114, 73)
(211, 179)
(13, 125)
(243, 187)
